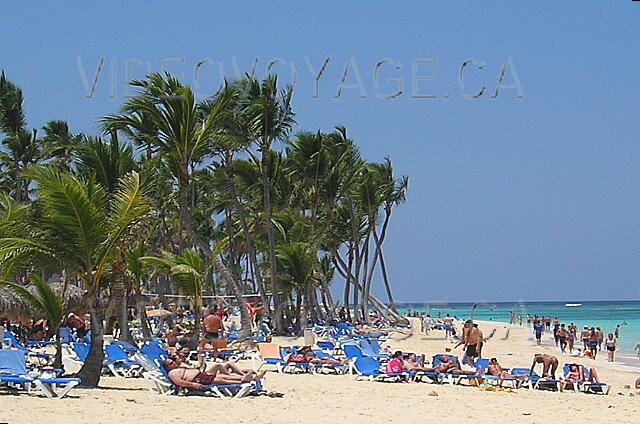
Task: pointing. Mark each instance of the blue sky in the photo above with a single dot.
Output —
(532, 198)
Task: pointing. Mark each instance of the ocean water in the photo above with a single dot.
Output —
(603, 314)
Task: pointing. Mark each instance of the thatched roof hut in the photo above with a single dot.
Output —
(12, 306)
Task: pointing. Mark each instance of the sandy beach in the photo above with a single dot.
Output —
(331, 398)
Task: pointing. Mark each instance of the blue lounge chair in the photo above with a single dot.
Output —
(327, 345)
(336, 368)
(13, 370)
(482, 365)
(150, 354)
(66, 335)
(129, 348)
(535, 381)
(450, 377)
(118, 362)
(586, 385)
(370, 369)
(352, 352)
(81, 350)
(42, 358)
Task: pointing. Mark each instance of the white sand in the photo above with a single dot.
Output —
(330, 398)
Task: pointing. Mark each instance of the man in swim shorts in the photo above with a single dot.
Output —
(549, 364)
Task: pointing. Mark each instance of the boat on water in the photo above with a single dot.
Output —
(573, 305)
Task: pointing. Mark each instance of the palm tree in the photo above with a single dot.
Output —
(270, 116)
(167, 118)
(80, 228)
(46, 302)
(59, 144)
(107, 162)
(23, 145)
(298, 264)
(187, 275)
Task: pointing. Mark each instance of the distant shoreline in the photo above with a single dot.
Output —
(505, 302)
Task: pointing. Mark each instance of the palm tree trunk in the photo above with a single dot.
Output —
(245, 321)
(251, 251)
(376, 255)
(347, 284)
(16, 165)
(142, 316)
(266, 194)
(90, 372)
(57, 359)
(383, 268)
(365, 269)
(341, 267)
(119, 293)
(184, 212)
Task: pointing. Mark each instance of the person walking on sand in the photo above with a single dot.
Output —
(600, 337)
(638, 349)
(562, 337)
(471, 341)
(611, 344)
(571, 338)
(537, 330)
(584, 336)
(448, 326)
(593, 342)
(427, 323)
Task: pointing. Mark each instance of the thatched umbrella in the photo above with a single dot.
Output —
(12, 306)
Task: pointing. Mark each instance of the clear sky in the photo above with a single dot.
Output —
(532, 195)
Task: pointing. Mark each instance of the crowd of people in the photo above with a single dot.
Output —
(587, 342)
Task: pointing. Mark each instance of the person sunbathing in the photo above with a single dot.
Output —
(496, 370)
(576, 373)
(412, 364)
(447, 365)
(306, 356)
(183, 375)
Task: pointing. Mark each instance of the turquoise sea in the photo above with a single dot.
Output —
(603, 314)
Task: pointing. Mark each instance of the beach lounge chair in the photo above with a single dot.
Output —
(149, 355)
(482, 365)
(371, 348)
(452, 378)
(336, 368)
(585, 386)
(370, 368)
(129, 348)
(352, 352)
(118, 362)
(13, 370)
(159, 381)
(270, 354)
(326, 345)
(42, 358)
(66, 335)
(537, 382)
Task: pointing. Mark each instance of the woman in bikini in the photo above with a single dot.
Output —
(183, 375)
